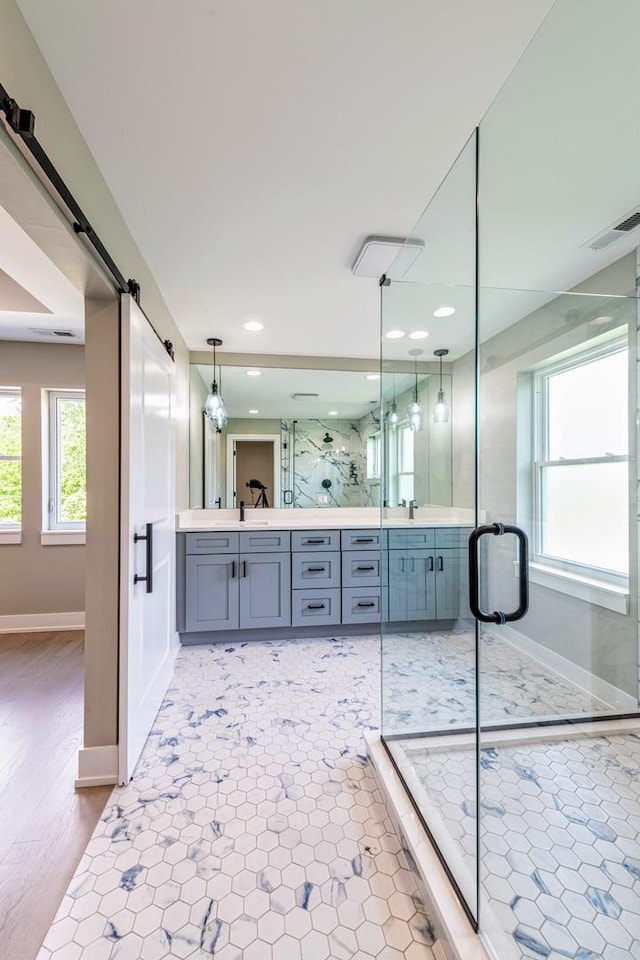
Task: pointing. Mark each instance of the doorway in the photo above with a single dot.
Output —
(253, 471)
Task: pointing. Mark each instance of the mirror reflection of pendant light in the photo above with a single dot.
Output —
(441, 409)
(393, 416)
(415, 410)
(214, 407)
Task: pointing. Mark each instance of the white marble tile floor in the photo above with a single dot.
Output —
(253, 828)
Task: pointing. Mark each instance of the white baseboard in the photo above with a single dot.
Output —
(97, 766)
(568, 670)
(38, 622)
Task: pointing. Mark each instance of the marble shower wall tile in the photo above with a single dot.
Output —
(340, 460)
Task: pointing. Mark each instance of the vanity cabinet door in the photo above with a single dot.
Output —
(421, 585)
(412, 585)
(265, 590)
(452, 584)
(396, 607)
(211, 593)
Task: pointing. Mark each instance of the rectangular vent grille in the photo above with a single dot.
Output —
(629, 223)
(305, 396)
(615, 232)
(41, 332)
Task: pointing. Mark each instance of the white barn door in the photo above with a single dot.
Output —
(148, 638)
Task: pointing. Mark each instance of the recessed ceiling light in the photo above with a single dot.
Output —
(254, 411)
(394, 334)
(254, 373)
(444, 312)
(372, 376)
(253, 325)
(333, 413)
(602, 320)
(418, 334)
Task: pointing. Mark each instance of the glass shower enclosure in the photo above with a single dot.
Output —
(510, 622)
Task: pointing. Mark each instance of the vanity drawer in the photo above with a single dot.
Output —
(453, 536)
(308, 540)
(265, 541)
(212, 542)
(361, 539)
(360, 568)
(360, 605)
(315, 606)
(315, 570)
(407, 538)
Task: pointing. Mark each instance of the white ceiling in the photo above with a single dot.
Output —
(252, 146)
(34, 293)
(348, 392)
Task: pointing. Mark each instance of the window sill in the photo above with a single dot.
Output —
(10, 536)
(598, 592)
(51, 538)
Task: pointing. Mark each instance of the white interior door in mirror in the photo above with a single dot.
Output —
(148, 640)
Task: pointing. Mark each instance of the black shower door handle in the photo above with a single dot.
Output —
(498, 530)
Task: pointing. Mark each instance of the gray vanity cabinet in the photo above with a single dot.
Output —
(412, 585)
(212, 592)
(427, 574)
(315, 578)
(361, 580)
(237, 580)
(265, 590)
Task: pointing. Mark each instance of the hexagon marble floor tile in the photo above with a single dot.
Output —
(253, 828)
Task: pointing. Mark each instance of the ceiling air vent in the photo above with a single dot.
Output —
(615, 232)
(64, 334)
(305, 396)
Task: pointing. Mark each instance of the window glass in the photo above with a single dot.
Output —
(67, 460)
(10, 457)
(575, 528)
(587, 409)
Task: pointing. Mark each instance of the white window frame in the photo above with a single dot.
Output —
(374, 457)
(566, 568)
(51, 464)
(9, 531)
(395, 441)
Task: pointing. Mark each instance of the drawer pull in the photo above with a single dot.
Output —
(369, 604)
(440, 563)
(315, 606)
(317, 540)
(430, 568)
(233, 569)
(316, 569)
(365, 568)
(364, 540)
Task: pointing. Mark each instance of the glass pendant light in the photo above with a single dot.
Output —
(214, 407)
(415, 410)
(441, 409)
(393, 416)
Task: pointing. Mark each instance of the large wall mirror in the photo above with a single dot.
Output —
(310, 438)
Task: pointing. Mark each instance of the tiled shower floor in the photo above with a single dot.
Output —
(561, 838)
(253, 828)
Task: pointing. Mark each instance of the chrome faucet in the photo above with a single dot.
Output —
(411, 505)
(241, 511)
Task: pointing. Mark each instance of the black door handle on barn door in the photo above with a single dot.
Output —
(498, 530)
(148, 537)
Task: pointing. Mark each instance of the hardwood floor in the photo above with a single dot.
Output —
(45, 823)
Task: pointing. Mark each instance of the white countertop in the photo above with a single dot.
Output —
(328, 518)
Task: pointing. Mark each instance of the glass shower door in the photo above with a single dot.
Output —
(559, 800)
(429, 703)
